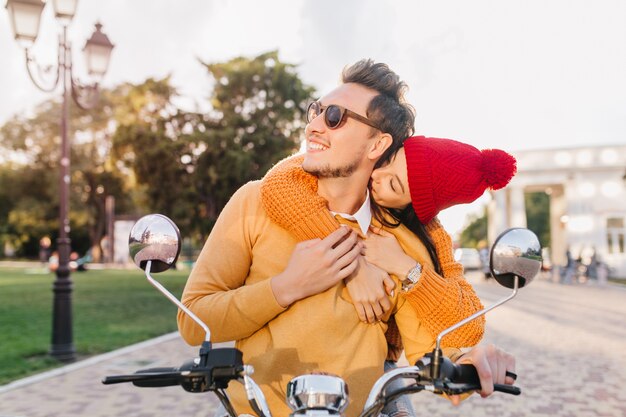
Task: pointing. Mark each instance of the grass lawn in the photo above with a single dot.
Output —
(111, 309)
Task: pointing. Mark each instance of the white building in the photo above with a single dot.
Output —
(587, 189)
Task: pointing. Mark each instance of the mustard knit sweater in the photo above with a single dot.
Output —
(289, 196)
(230, 290)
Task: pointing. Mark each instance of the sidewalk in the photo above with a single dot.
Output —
(76, 390)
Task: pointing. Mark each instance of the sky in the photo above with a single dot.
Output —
(508, 74)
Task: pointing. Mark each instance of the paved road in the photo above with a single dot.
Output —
(570, 345)
(570, 342)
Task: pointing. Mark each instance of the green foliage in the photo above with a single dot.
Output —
(189, 164)
(259, 115)
(111, 309)
(152, 157)
(31, 191)
(475, 232)
(538, 216)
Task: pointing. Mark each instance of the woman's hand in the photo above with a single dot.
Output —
(368, 287)
(383, 250)
(494, 366)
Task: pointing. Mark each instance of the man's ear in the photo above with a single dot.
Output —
(380, 145)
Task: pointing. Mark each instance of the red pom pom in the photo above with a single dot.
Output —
(498, 167)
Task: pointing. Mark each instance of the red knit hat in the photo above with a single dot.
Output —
(445, 172)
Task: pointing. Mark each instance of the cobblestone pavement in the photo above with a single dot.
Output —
(570, 344)
(570, 348)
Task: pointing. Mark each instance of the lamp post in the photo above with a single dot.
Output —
(25, 16)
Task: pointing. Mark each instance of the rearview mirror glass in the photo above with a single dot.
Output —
(516, 252)
(154, 238)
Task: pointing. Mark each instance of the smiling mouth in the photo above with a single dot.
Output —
(314, 146)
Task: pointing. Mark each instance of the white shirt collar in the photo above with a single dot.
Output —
(363, 215)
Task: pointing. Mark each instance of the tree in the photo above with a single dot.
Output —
(189, 164)
(475, 231)
(33, 198)
(150, 145)
(138, 147)
(538, 216)
(259, 106)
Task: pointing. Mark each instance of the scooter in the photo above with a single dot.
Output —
(155, 244)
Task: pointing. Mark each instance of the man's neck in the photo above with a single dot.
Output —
(344, 195)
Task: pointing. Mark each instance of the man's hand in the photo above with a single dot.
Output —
(368, 288)
(316, 265)
(492, 365)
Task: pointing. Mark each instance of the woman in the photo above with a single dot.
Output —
(424, 177)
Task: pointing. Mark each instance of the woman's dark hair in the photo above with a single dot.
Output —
(407, 217)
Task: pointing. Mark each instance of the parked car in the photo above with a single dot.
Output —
(468, 257)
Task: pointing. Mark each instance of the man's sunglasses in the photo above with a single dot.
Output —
(334, 115)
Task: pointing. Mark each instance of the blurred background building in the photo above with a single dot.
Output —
(586, 189)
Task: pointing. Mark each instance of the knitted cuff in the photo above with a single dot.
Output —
(429, 292)
(440, 303)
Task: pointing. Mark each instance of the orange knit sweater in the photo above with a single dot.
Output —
(289, 196)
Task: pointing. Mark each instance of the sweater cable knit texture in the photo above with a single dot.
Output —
(289, 195)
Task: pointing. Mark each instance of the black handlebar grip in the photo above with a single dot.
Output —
(467, 374)
(162, 380)
(507, 389)
(117, 379)
(157, 377)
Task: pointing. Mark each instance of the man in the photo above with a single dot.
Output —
(285, 303)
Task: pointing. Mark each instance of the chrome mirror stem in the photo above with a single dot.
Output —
(175, 300)
(437, 353)
(477, 314)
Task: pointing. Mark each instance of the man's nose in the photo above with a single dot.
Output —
(316, 125)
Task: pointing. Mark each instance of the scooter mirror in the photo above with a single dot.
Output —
(154, 238)
(516, 252)
(154, 245)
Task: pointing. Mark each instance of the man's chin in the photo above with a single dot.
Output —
(310, 166)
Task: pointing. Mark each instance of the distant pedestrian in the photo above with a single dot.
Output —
(483, 252)
(44, 249)
(569, 271)
(53, 262)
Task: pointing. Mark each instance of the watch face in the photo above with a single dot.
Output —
(412, 277)
(415, 273)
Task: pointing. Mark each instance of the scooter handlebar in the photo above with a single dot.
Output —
(464, 378)
(153, 377)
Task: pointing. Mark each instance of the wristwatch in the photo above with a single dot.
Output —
(412, 277)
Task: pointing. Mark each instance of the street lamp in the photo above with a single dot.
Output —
(25, 16)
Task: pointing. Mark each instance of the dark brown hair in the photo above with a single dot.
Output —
(392, 114)
(389, 109)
